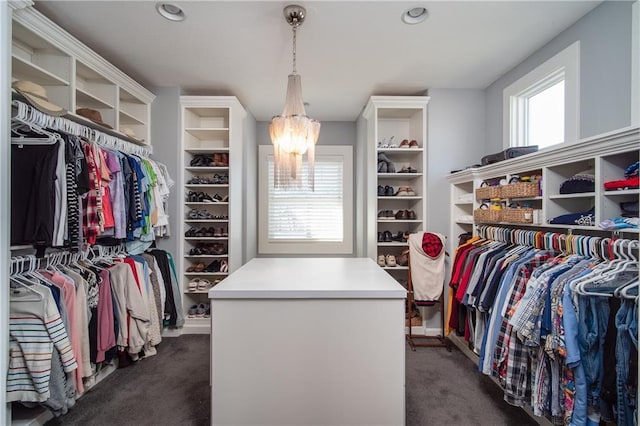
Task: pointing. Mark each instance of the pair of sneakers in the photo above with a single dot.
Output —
(385, 191)
(202, 310)
(405, 191)
(389, 260)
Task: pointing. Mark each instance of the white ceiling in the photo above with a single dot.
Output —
(347, 50)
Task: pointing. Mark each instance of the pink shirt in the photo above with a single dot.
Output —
(68, 292)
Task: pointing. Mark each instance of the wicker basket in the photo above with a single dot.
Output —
(488, 192)
(520, 215)
(521, 190)
(487, 215)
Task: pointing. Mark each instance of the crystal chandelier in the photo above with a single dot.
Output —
(293, 133)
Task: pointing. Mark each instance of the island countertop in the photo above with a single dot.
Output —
(309, 278)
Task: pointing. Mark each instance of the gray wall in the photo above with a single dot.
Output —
(605, 72)
(250, 190)
(165, 134)
(456, 129)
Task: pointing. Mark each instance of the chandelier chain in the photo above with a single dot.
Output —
(294, 49)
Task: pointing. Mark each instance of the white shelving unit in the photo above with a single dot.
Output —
(76, 77)
(606, 155)
(212, 127)
(391, 119)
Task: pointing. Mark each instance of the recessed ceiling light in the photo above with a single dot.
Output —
(170, 11)
(415, 15)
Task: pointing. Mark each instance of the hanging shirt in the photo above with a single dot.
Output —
(117, 190)
(29, 361)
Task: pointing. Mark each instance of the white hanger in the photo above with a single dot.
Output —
(18, 278)
(19, 126)
(624, 290)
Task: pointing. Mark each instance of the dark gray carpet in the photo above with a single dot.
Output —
(445, 388)
(172, 388)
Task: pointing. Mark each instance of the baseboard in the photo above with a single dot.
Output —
(423, 331)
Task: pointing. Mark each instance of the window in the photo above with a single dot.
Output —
(304, 221)
(541, 108)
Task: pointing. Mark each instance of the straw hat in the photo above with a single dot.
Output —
(92, 115)
(130, 133)
(36, 95)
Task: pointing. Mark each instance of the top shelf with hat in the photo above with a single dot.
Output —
(74, 78)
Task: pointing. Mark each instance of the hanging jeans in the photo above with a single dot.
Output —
(592, 327)
(627, 324)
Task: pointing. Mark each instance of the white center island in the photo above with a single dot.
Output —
(316, 341)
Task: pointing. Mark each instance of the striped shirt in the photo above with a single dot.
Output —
(35, 327)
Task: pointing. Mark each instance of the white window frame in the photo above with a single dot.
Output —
(563, 66)
(344, 247)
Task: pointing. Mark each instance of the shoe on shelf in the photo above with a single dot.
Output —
(404, 143)
(381, 260)
(411, 215)
(386, 236)
(390, 260)
(193, 311)
(213, 266)
(403, 259)
(380, 191)
(380, 238)
(413, 144)
(402, 191)
(224, 265)
(391, 144)
(398, 237)
(405, 191)
(204, 285)
(401, 215)
(198, 267)
(193, 284)
(201, 309)
(388, 191)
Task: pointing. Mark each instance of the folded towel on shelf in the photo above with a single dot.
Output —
(426, 251)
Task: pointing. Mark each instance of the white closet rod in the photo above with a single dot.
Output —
(28, 114)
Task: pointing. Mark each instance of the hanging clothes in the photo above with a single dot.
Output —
(551, 344)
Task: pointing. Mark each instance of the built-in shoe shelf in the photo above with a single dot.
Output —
(396, 151)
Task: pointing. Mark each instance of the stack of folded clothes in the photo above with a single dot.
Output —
(587, 218)
(578, 183)
(629, 217)
(620, 223)
(631, 179)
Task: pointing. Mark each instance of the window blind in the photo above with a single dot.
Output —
(302, 214)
